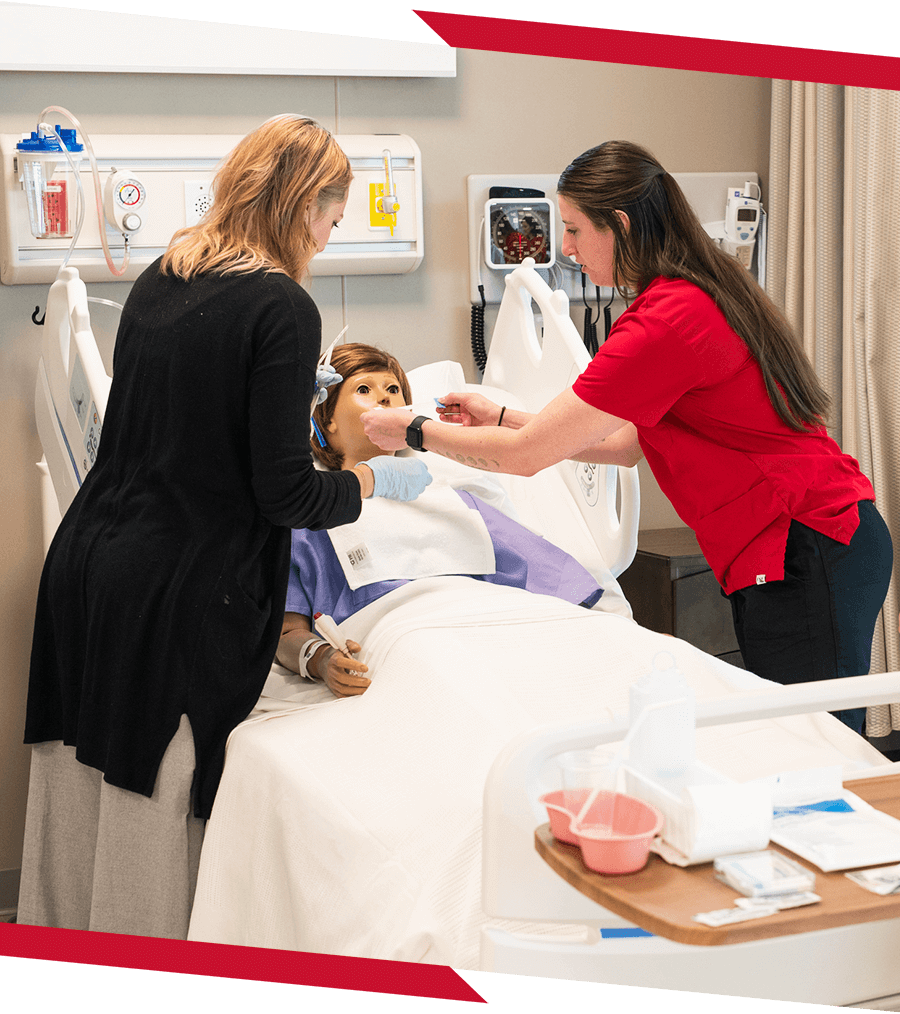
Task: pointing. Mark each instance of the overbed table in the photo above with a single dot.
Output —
(662, 898)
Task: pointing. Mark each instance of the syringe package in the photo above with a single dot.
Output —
(763, 874)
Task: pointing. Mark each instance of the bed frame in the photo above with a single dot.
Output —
(537, 370)
(70, 397)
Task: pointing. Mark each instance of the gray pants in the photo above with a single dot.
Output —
(97, 857)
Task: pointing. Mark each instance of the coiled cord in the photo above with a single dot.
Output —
(590, 332)
(477, 333)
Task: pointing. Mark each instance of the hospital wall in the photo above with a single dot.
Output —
(501, 113)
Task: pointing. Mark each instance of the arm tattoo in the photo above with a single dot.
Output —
(480, 463)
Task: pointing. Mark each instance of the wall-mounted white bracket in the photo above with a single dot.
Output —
(176, 172)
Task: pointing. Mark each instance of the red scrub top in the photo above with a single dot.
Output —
(732, 469)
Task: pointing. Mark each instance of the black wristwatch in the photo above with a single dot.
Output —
(414, 437)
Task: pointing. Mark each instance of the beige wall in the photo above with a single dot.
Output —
(501, 113)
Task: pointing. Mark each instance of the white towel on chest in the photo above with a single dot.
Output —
(433, 535)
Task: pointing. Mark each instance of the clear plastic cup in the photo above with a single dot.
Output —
(585, 772)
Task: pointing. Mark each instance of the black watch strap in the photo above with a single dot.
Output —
(414, 437)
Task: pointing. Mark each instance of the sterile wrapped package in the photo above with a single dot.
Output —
(821, 821)
(706, 815)
(764, 874)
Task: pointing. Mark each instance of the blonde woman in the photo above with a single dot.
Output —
(162, 596)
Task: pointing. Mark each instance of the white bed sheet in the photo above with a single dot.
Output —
(353, 826)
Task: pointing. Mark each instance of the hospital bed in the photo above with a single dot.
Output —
(354, 826)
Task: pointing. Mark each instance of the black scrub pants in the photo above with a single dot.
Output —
(818, 623)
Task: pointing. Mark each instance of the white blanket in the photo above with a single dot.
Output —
(354, 826)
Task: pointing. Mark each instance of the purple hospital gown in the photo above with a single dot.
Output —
(523, 560)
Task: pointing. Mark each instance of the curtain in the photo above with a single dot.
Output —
(833, 265)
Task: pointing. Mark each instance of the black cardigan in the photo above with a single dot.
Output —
(163, 591)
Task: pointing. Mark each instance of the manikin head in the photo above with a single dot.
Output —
(372, 378)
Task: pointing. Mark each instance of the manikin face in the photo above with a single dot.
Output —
(360, 393)
(591, 247)
(321, 223)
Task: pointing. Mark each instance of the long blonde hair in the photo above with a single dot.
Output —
(263, 195)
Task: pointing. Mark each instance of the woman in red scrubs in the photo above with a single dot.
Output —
(703, 376)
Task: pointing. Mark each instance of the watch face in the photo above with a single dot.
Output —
(414, 438)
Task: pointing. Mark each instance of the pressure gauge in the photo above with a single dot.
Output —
(516, 229)
(122, 196)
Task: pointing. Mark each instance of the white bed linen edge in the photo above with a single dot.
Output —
(354, 826)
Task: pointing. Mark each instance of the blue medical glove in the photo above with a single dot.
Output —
(398, 478)
(326, 376)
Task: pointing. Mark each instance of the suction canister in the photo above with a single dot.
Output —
(48, 179)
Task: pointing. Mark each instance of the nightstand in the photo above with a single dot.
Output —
(672, 590)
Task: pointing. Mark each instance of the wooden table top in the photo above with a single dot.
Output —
(662, 898)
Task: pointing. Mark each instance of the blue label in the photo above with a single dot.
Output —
(826, 806)
(624, 931)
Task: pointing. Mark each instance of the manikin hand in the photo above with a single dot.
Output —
(342, 674)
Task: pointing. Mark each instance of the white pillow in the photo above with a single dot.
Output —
(435, 380)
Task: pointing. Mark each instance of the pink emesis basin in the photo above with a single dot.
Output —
(560, 816)
(614, 835)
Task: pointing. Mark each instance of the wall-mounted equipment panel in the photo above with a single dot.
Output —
(706, 192)
(157, 184)
(373, 240)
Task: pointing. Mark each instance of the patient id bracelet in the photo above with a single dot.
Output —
(309, 649)
(414, 437)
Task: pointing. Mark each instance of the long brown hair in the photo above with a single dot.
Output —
(349, 360)
(262, 198)
(665, 238)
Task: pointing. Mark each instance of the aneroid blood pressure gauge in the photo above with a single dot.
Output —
(123, 196)
(516, 229)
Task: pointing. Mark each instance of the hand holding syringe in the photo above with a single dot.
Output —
(343, 674)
